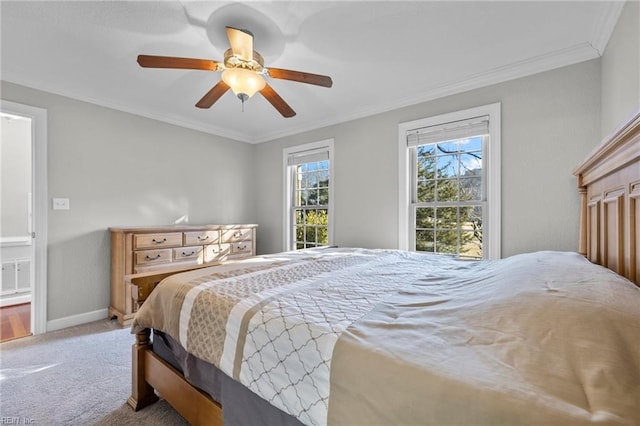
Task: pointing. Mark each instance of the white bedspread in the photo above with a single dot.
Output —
(537, 339)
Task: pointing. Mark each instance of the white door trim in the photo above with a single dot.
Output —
(38, 118)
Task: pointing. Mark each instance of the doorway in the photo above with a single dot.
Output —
(23, 221)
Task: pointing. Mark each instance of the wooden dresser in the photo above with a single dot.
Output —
(143, 249)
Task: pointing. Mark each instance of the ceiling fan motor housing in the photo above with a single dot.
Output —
(233, 61)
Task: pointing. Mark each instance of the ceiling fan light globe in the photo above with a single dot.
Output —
(243, 81)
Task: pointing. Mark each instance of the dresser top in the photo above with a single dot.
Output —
(179, 228)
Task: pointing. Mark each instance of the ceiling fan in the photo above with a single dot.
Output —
(243, 72)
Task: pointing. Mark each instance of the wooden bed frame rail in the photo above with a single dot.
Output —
(150, 372)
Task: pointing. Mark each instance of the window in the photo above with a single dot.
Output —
(308, 207)
(450, 184)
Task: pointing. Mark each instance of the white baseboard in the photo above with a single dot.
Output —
(79, 319)
(15, 300)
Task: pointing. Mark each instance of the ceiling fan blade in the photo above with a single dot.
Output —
(277, 102)
(150, 61)
(299, 76)
(241, 42)
(213, 95)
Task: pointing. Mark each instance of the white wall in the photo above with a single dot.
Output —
(550, 122)
(15, 176)
(119, 169)
(621, 70)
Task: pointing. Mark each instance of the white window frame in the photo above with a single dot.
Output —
(288, 241)
(491, 247)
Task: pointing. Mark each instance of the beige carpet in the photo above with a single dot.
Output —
(80, 375)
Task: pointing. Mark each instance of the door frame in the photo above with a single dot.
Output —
(38, 118)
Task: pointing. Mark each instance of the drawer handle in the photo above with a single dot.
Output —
(152, 258)
(202, 239)
(188, 254)
(242, 247)
(237, 235)
(164, 240)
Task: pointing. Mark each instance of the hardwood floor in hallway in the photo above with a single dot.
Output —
(15, 321)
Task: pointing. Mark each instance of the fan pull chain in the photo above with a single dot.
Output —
(243, 97)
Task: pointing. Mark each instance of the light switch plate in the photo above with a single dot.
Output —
(60, 204)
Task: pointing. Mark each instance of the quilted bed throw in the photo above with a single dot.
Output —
(272, 322)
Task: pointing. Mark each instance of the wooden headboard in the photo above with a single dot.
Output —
(609, 186)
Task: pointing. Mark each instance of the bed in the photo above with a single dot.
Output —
(345, 336)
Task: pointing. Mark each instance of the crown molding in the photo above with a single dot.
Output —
(546, 62)
(605, 25)
(193, 125)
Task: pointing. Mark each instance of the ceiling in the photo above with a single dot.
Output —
(381, 55)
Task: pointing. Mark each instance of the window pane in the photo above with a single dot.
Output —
(310, 217)
(447, 190)
(299, 233)
(323, 216)
(425, 150)
(323, 195)
(447, 242)
(426, 191)
(471, 189)
(426, 168)
(468, 217)
(316, 217)
(425, 241)
(323, 179)
(470, 245)
(425, 218)
(471, 144)
(447, 166)
(471, 163)
(447, 217)
(312, 199)
(471, 235)
(448, 147)
(323, 235)
(305, 181)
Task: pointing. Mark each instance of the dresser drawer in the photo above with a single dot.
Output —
(237, 234)
(153, 257)
(201, 237)
(193, 253)
(144, 241)
(243, 247)
(216, 252)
